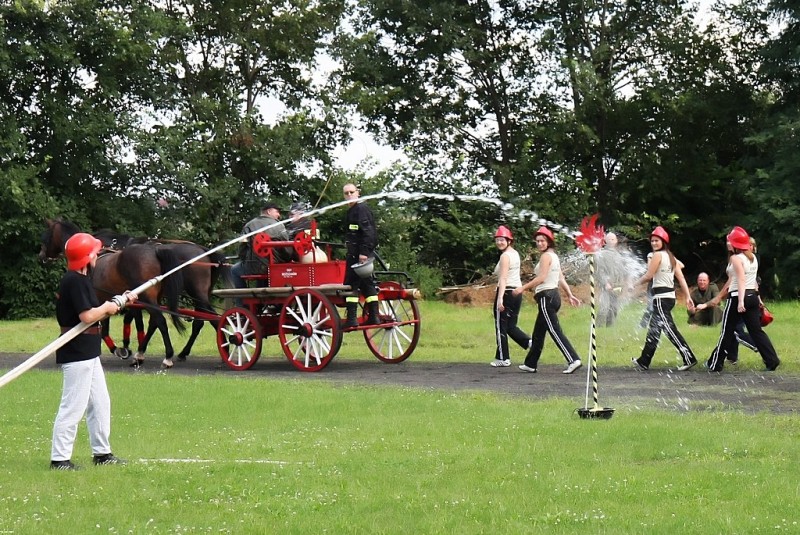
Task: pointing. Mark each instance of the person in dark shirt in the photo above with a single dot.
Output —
(84, 386)
(703, 293)
(361, 239)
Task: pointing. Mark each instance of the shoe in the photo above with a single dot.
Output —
(733, 362)
(63, 465)
(773, 368)
(497, 363)
(638, 366)
(686, 366)
(574, 366)
(527, 368)
(108, 458)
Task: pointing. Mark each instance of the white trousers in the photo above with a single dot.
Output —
(84, 393)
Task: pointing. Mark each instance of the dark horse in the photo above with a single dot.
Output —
(124, 269)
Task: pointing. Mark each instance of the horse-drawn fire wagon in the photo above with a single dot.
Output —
(298, 301)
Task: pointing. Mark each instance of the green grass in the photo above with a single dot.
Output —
(465, 334)
(294, 456)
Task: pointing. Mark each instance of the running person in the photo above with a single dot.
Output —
(663, 268)
(548, 278)
(744, 303)
(507, 305)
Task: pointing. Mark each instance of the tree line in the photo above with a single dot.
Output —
(176, 118)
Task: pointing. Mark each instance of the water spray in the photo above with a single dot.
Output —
(590, 240)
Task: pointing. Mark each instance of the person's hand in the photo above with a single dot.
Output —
(701, 306)
(362, 258)
(132, 297)
(517, 291)
(574, 301)
(741, 308)
(501, 307)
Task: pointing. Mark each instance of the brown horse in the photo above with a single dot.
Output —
(125, 269)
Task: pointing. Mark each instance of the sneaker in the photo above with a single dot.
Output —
(733, 362)
(108, 458)
(773, 368)
(638, 366)
(686, 366)
(574, 366)
(63, 465)
(497, 363)
(527, 368)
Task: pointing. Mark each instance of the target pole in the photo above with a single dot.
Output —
(591, 373)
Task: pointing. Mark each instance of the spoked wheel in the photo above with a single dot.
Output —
(397, 336)
(239, 338)
(309, 330)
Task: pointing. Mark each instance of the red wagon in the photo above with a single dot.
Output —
(299, 303)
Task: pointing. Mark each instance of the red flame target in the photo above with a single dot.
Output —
(591, 237)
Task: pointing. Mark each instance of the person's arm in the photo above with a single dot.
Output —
(109, 308)
(369, 233)
(738, 271)
(544, 268)
(684, 286)
(652, 267)
(502, 279)
(562, 281)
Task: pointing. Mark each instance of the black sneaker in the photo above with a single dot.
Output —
(63, 465)
(108, 458)
(638, 366)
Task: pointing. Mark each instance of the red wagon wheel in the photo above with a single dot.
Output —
(396, 338)
(239, 338)
(309, 330)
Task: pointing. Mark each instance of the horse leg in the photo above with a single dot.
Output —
(125, 352)
(152, 325)
(197, 326)
(161, 323)
(105, 334)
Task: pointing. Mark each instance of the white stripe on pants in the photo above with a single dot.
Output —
(84, 392)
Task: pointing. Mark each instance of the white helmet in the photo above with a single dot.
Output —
(364, 269)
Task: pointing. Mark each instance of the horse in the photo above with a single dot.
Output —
(199, 279)
(123, 269)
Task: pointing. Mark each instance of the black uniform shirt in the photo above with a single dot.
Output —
(76, 294)
(362, 236)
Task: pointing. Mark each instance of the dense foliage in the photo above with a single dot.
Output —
(176, 118)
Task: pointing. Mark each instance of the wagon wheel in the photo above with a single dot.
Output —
(396, 338)
(239, 338)
(309, 330)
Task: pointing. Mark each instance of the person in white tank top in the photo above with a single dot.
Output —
(547, 281)
(663, 268)
(744, 303)
(506, 304)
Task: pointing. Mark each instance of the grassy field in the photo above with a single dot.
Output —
(225, 455)
(465, 334)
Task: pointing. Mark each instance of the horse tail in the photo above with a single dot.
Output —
(172, 286)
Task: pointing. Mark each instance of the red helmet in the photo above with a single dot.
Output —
(659, 232)
(546, 232)
(739, 239)
(80, 249)
(504, 232)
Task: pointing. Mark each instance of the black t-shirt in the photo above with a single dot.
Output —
(76, 294)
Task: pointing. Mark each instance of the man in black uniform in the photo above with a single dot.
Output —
(361, 239)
